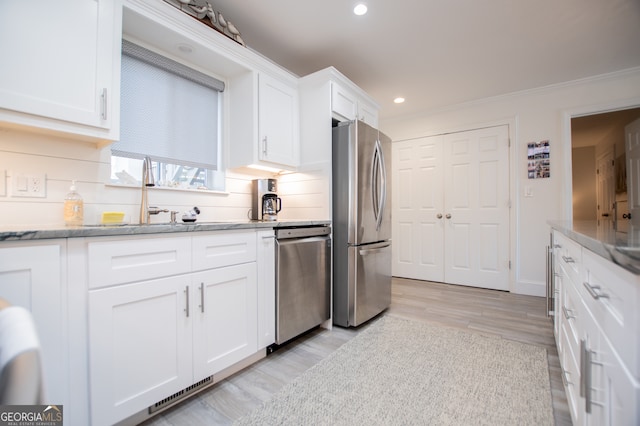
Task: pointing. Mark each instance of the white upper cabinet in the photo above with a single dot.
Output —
(347, 104)
(325, 95)
(277, 121)
(61, 64)
(264, 126)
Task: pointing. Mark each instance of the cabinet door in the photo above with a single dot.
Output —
(31, 277)
(343, 102)
(140, 346)
(368, 113)
(59, 62)
(266, 289)
(278, 122)
(225, 318)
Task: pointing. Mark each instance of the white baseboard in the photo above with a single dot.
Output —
(530, 288)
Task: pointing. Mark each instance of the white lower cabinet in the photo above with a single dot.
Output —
(140, 346)
(597, 333)
(266, 288)
(225, 325)
(152, 338)
(32, 275)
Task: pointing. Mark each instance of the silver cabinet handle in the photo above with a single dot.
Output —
(595, 291)
(264, 145)
(186, 292)
(568, 313)
(588, 400)
(104, 103)
(439, 215)
(565, 378)
(202, 297)
(583, 350)
(568, 259)
(448, 216)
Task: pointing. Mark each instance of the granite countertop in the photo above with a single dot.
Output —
(602, 238)
(43, 232)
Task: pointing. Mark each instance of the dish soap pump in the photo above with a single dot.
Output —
(73, 207)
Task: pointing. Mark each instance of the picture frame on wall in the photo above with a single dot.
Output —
(538, 161)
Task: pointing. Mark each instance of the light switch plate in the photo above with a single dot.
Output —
(3, 183)
(31, 185)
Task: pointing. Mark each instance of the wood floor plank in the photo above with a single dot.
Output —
(490, 312)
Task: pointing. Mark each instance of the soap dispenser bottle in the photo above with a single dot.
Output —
(73, 207)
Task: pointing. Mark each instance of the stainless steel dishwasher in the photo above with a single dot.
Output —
(303, 280)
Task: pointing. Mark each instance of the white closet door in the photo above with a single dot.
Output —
(451, 208)
(417, 232)
(476, 193)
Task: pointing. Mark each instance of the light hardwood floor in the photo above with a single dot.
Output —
(511, 316)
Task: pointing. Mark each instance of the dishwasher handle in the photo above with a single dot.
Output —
(374, 248)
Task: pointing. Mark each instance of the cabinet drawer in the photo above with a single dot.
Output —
(223, 249)
(124, 261)
(612, 295)
(568, 256)
(571, 315)
(570, 371)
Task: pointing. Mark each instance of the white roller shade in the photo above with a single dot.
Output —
(169, 112)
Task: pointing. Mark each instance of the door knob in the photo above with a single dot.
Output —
(439, 215)
(448, 216)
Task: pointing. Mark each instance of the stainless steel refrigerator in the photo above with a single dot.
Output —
(361, 223)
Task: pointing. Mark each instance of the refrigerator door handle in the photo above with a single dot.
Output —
(374, 181)
(372, 248)
(383, 184)
(378, 192)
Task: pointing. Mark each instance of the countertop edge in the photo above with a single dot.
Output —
(131, 230)
(625, 257)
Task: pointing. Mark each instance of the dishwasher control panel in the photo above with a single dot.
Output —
(302, 232)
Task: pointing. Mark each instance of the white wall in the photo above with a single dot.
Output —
(533, 116)
(65, 160)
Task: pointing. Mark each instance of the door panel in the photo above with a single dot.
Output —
(370, 178)
(417, 202)
(372, 281)
(632, 132)
(464, 177)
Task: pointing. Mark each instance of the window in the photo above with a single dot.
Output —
(170, 113)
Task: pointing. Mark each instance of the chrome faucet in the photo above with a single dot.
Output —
(145, 209)
(147, 181)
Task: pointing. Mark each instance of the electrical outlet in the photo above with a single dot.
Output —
(29, 185)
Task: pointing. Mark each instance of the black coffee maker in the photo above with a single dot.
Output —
(265, 203)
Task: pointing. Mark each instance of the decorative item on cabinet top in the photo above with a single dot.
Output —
(203, 11)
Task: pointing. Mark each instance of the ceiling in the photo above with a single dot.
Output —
(437, 53)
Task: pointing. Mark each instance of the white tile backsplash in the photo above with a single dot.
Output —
(304, 195)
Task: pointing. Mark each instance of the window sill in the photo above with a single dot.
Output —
(165, 188)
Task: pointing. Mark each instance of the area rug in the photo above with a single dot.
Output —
(403, 372)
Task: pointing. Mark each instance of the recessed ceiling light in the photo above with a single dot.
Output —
(360, 9)
(398, 100)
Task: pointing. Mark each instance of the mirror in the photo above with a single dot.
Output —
(598, 164)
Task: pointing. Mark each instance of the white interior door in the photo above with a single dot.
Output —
(451, 208)
(476, 194)
(632, 148)
(417, 232)
(605, 188)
